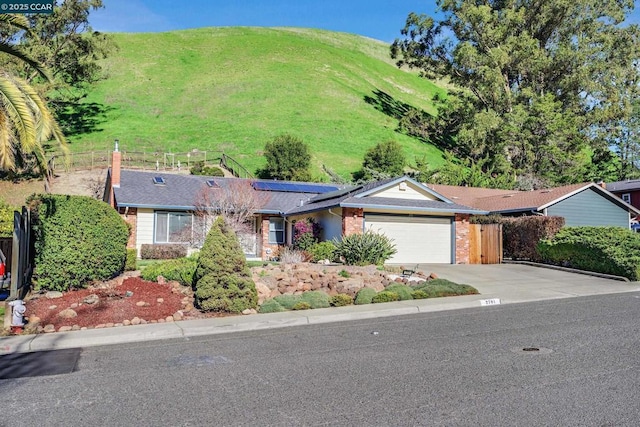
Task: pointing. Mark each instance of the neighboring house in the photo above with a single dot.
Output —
(579, 204)
(629, 191)
(427, 227)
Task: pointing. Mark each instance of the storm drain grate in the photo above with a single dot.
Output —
(39, 363)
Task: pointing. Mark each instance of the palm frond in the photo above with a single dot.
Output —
(10, 50)
(7, 144)
(13, 101)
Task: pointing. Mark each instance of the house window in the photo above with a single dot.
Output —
(276, 230)
(173, 227)
(627, 197)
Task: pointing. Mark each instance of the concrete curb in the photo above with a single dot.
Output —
(568, 270)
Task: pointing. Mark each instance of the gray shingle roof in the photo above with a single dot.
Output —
(182, 192)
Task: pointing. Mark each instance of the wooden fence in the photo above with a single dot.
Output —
(485, 243)
(148, 161)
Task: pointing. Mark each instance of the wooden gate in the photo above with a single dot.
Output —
(485, 243)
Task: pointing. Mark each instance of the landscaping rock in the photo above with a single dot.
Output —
(160, 300)
(91, 299)
(169, 319)
(34, 320)
(74, 305)
(135, 321)
(49, 328)
(126, 322)
(53, 307)
(76, 328)
(177, 316)
(142, 304)
(64, 329)
(53, 295)
(68, 313)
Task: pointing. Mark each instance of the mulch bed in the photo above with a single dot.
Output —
(149, 302)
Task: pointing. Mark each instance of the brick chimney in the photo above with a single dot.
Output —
(116, 165)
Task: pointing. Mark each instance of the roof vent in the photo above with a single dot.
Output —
(212, 183)
(158, 180)
(403, 186)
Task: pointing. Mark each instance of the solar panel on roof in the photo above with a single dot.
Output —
(292, 187)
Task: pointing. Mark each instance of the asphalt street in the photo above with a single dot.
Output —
(465, 367)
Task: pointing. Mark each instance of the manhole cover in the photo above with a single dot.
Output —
(198, 361)
(532, 350)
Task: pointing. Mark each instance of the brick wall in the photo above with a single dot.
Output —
(462, 238)
(265, 241)
(352, 221)
(131, 218)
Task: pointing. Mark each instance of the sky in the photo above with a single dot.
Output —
(378, 19)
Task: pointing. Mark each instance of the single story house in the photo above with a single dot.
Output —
(162, 208)
(586, 204)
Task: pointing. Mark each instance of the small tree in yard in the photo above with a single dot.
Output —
(288, 158)
(222, 281)
(306, 233)
(235, 200)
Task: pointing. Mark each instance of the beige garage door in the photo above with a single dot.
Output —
(418, 239)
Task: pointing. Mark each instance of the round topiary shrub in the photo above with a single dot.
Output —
(341, 300)
(404, 292)
(271, 306)
(419, 294)
(78, 240)
(287, 301)
(316, 299)
(364, 296)
(385, 296)
(222, 280)
(301, 306)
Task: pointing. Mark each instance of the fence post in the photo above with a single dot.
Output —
(15, 256)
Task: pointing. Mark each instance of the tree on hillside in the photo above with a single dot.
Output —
(385, 158)
(288, 158)
(538, 84)
(64, 43)
(26, 123)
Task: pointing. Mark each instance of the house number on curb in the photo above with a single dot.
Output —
(490, 301)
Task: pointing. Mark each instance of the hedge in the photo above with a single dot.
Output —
(609, 250)
(77, 240)
(162, 251)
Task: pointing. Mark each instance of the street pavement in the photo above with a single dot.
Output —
(500, 283)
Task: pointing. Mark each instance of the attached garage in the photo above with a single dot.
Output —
(418, 238)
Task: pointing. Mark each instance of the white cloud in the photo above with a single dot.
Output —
(128, 16)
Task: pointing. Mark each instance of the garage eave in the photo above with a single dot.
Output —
(414, 209)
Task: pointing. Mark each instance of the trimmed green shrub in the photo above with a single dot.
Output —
(77, 240)
(181, 270)
(322, 250)
(316, 299)
(609, 250)
(365, 249)
(443, 288)
(130, 263)
(287, 301)
(199, 168)
(222, 281)
(364, 296)
(162, 251)
(341, 300)
(288, 158)
(271, 306)
(404, 292)
(385, 296)
(419, 294)
(302, 305)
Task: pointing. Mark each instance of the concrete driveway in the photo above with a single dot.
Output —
(519, 283)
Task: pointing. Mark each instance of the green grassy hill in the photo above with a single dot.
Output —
(233, 89)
